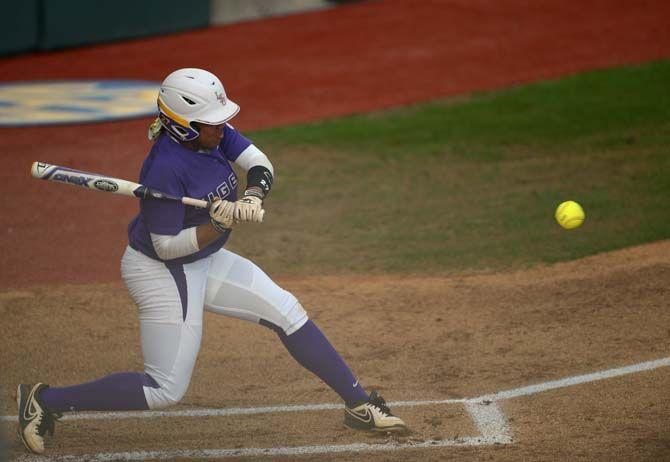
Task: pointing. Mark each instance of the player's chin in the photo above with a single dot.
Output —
(208, 145)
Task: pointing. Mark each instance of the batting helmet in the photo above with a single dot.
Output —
(193, 95)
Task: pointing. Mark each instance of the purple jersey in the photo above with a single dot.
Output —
(175, 170)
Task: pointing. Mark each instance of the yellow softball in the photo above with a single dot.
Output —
(570, 214)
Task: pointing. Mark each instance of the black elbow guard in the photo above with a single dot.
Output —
(260, 177)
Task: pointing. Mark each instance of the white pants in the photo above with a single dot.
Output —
(171, 300)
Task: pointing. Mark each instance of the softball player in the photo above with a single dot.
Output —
(175, 266)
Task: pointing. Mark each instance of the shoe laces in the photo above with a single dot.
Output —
(378, 402)
(47, 422)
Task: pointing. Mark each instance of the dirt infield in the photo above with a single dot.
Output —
(413, 338)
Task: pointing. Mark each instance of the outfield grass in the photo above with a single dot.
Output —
(471, 184)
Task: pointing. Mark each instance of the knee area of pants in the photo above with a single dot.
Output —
(288, 302)
(164, 397)
(295, 318)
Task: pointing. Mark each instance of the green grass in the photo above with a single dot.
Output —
(472, 184)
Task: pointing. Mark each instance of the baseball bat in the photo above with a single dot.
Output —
(106, 183)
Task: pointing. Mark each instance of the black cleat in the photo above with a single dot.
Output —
(34, 418)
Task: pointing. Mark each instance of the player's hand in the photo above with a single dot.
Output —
(222, 214)
(249, 209)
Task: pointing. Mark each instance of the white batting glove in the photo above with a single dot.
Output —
(222, 215)
(249, 209)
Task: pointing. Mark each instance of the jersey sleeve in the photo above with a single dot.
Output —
(162, 216)
(233, 143)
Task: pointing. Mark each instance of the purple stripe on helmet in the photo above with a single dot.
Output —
(177, 272)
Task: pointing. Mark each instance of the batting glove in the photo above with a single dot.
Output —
(249, 208)
(222, 215)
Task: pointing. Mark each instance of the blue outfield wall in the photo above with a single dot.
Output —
(19, 30)
(32, 25)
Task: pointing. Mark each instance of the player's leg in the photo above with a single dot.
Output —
(170, 302)
(237, 287)
(170, 306)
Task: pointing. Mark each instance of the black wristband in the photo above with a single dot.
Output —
(261, 177)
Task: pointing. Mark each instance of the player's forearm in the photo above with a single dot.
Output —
(206, 234)
(187, 242)
(168, 247)
(252, 157)
(260, 173)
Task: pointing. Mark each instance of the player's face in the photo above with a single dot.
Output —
(210, 135)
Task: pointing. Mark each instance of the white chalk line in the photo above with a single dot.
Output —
(488, 418)
(256, 452)
(223, 412)
(490, 422)
(575, 380)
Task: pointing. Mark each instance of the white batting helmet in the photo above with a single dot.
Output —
(193, 95)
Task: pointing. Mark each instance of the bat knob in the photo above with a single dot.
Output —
(39, 169)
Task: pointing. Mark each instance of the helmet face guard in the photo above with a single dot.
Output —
(193, 95)
(179, 128)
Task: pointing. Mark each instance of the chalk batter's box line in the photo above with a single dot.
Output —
(488, 419)
(503, 395)
(487, 416)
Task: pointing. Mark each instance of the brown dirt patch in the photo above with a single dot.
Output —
(413, 338)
